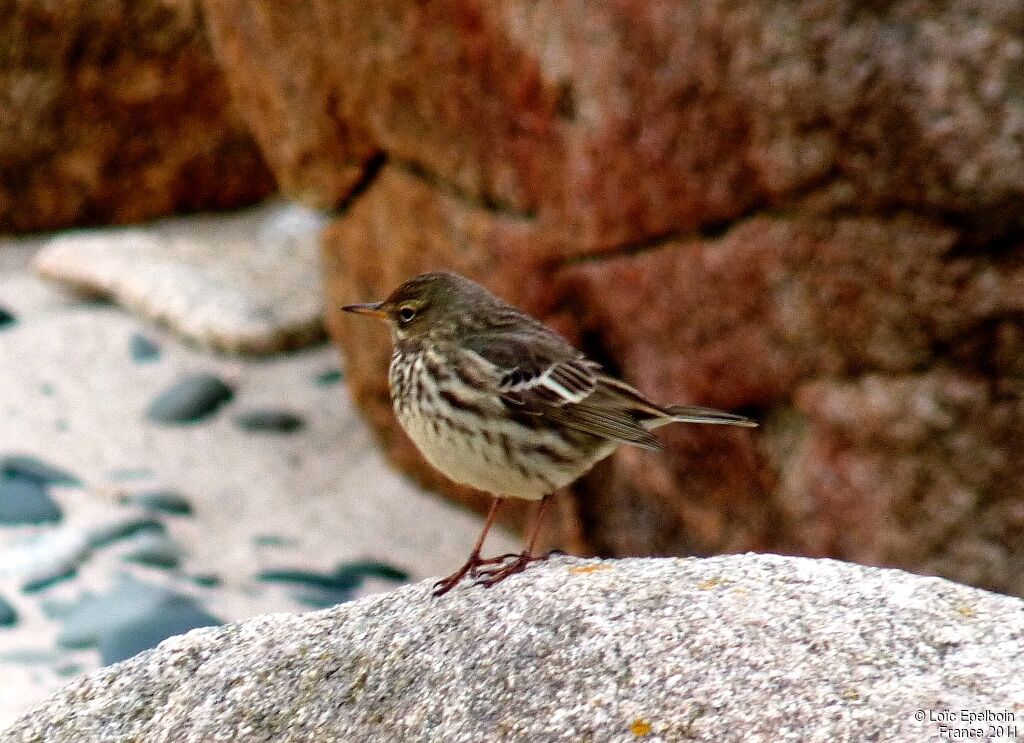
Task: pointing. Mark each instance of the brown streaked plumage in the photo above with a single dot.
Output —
(497, 401)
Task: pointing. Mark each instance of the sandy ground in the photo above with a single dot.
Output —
(72, 395)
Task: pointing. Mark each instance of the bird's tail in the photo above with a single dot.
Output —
(697, 414)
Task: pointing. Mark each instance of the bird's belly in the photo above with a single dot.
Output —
(493, 462)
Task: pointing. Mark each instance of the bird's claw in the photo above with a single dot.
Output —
(490, 576)
(473, 568)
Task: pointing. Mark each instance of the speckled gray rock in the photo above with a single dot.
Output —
(244, 283)
(744, 648)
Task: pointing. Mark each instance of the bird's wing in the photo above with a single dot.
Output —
(543, 376)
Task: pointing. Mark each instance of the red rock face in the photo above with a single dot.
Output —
(760, 206)
(115, 112)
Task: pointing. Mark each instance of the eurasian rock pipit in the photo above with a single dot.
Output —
(499, 402)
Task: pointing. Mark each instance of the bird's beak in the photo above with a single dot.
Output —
(373, 309)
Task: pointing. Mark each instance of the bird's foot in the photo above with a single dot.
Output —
(472, 567)
(489, 576)
(499, 560)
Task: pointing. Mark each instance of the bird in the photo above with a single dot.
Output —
(497, 401)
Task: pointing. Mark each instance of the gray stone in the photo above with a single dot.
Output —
(268, 420)
(155, 550)
(142, 348)
(42, 583)
(176, 615)
(8, 615)
(243, 283)
(25, 501)
(93, 615)
(736, 648)
(329, 377)
(162, 501)
(32, 468)
(104, 534)
(194, 398)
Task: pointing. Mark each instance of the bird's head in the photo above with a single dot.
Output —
(435, 303)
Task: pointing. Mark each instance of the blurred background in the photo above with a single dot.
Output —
(806, 212)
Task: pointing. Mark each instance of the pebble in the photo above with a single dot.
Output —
(161, 501)
(102, 535)
(320, 590)
(132, 617)
(6, 317)
(142, 348)
(155, 550)
(35, 585)
(329, 377)
(175, 615)
(316, 590)
(8, 616)
(361, 569)
(269, 421)
(192, 399)
(207, 580)
(273, 540)
(25, 501)
(32, 468)
(85, 621)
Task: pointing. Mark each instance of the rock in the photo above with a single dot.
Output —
(104, 534)
(155, 550)
(273, 540)
(6, 317)
(897, 467)
(281, 93)
(313, 588)
(723, 202)
(615, 125)
(747, 647)
(162, 501)
(25, 467)
(320, 590)
(329, 377)
(131, 617)
(116, 112)
(370, 569)
(193, 399)
(8, 616)
(267, 420)
(142, 349)
(207, 580)
(242, 283)
(42, 583)
(25, 501)
(175, 616)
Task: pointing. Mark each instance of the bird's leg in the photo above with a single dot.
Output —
(490, 576)
(475, 561)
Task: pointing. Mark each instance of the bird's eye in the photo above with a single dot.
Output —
(406, 314)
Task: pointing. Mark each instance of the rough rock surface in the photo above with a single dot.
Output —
(243, 283)
(115, 112)
(753, 205)
(735, 648)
